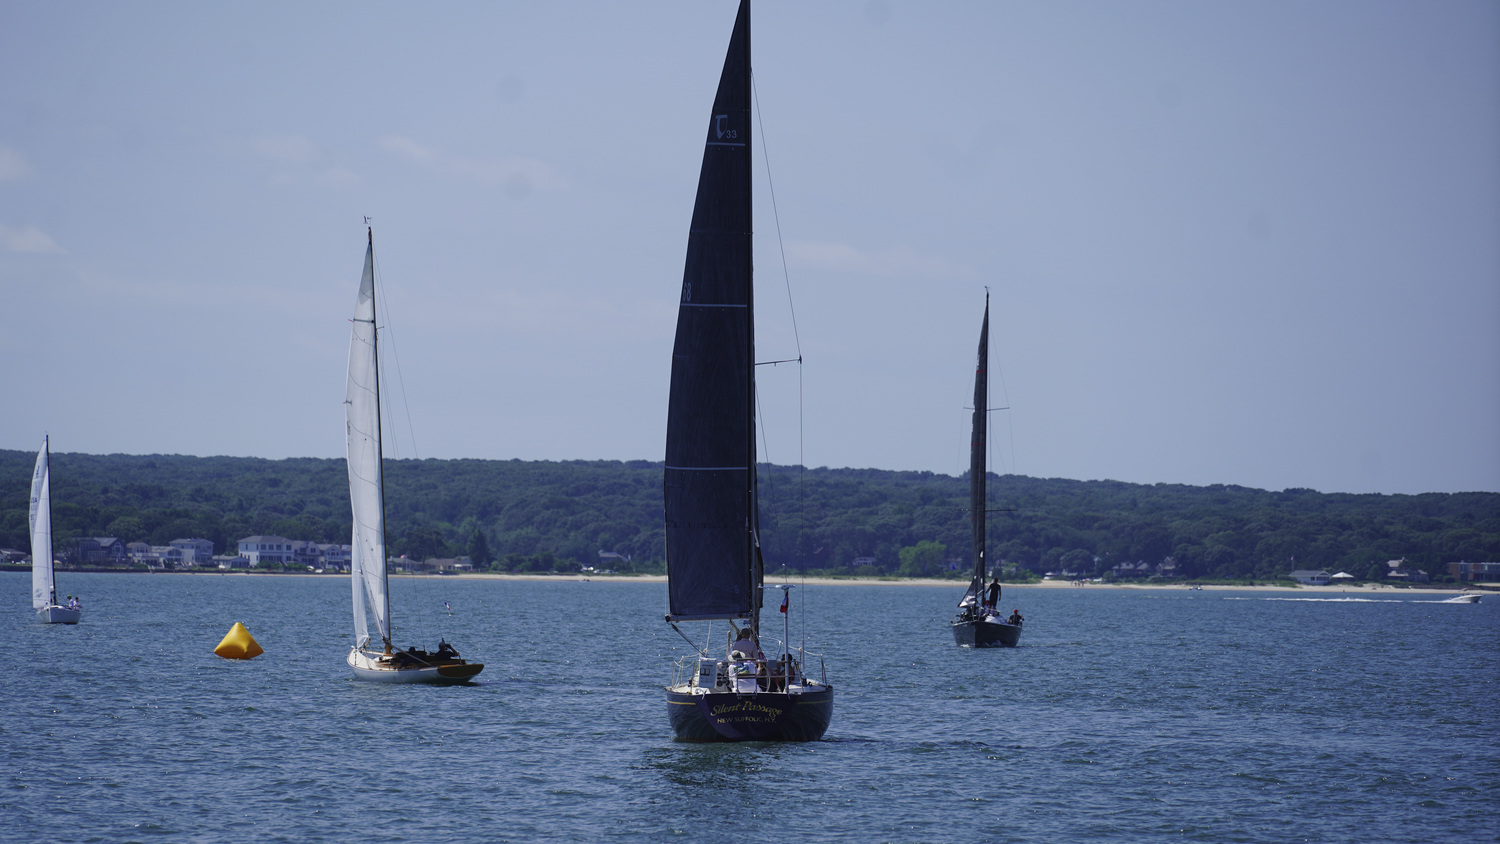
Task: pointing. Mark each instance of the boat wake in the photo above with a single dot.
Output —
(1458, 600)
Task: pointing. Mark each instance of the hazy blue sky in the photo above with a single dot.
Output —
(1231, 242)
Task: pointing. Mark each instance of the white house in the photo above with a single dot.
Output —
(195, 552)
(260, 550)
(1307, 577)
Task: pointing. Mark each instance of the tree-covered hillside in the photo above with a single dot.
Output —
(546, 515)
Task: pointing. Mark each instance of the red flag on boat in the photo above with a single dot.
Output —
(785, 594)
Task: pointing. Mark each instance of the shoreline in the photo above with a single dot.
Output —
(1046, 584)
(931, 582)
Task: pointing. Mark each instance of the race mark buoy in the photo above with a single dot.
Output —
(238, 644)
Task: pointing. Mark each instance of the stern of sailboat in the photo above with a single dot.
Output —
(55, 614)
(801, 715)
(987, 633)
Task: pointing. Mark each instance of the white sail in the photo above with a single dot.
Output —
(42, 582)
(362, 409)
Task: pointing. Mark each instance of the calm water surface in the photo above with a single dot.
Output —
(1124, 716)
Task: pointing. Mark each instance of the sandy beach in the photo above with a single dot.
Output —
(1046, 584)
(1429, 589)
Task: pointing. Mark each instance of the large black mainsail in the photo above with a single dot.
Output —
(713, 564)
(979, 624)
(977, 451)
(714, 568)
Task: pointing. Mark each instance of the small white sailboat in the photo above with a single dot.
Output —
(378, 661)
(43, 578)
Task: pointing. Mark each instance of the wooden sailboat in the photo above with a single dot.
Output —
(714, 566)
(979, 623)
(371, 661)
(43, 578)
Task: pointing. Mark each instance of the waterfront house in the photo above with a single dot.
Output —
(1397, 570)
(262, 550)
(101, 551)
(1475, 572)
(443, 565)
(195, 552)
(1308, 577)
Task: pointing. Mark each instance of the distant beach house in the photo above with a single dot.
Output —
(332, 556)
(1166, 568)
(195, 552)
(260, 550)
(1398, 570)
(1307, 577)
(442, 565)
(1474, 572)
(101, 551)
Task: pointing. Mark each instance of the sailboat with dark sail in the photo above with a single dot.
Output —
(367, 556)
(714, 564)
(979, 623)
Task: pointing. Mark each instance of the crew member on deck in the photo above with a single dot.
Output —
(994, 599)
(747, 645)
(1015, 617)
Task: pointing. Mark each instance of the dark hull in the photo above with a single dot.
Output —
(985, 634)
(758, 716)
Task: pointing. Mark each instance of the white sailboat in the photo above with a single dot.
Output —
(370, 660)
(43, 579)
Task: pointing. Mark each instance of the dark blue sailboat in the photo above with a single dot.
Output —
(978, 623)
(714, 565)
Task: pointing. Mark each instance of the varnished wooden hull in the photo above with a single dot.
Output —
(375, 667)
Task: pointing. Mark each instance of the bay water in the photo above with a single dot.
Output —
(1125, 715)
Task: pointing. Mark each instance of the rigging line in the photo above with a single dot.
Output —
(770, 479)
(390, 336)
(801, 517)
(1010, 425)
(691, 644)
(420, 591)
(776, 215)
(796, 339)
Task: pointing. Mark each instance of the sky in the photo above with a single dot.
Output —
(1251, 243)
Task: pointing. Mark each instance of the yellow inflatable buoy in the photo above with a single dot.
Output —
(238, 644)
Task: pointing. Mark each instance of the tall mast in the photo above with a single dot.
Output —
(379, 444)
(51, 569)
(977, 453)
(756, 573)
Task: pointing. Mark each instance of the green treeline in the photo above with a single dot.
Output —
(545, 516)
